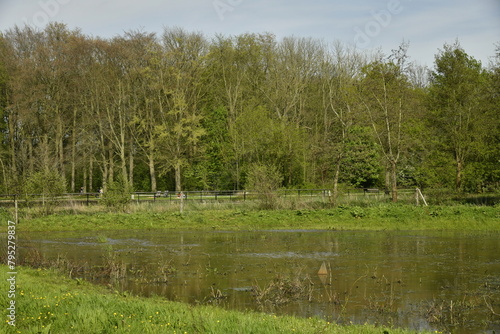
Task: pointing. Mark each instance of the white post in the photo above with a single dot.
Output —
(422, 196)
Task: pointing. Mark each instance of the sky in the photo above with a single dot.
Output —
(369, 25)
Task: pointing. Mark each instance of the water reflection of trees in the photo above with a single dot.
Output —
(381, 277)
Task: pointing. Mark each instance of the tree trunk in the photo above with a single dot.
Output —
(91, 174)
(45, 153)
(59, 142)
(336, 175)
(131, 164)
(177, 168)
(123, 159)
(152, 173)
(335, 194)
(84, 185)
(131, 171)
(73, 153)
(111, 169)
(31, 159)
(458, 179)
(12, 147)
(394, 185)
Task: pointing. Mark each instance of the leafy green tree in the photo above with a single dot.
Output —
(361, 165)
(4, 134)
(180, 130)
(387, 99)
(340, 112)
(215, 168)
(455, 98)
(482, 173)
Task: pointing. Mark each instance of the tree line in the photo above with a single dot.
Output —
(181, 111)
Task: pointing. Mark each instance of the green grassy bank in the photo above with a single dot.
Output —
(377, 217)
(47, 302)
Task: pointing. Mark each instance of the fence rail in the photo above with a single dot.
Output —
(359, 194)
(345, 197)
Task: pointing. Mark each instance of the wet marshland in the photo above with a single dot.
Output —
(420, 280)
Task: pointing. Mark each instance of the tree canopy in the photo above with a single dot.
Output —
(182, 111)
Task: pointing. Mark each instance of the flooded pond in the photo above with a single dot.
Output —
(419, 280)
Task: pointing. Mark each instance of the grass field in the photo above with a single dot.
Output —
(47, 302)
(385, 216)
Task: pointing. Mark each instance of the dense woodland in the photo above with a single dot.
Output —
(184, 111)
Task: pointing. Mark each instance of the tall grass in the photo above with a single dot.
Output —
(384, 216)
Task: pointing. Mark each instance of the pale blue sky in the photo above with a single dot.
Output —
(368, 24)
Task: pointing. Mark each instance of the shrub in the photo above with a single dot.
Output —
(49, 184)
(265, 180)
(117, 194)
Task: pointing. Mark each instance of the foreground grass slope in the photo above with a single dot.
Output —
(48, 302)
(378, 217)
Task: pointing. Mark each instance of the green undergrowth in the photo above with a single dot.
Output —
(376, 217)
(47, 302)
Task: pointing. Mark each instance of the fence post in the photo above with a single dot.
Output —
(88, 199)
(16, 216)
(418, 192)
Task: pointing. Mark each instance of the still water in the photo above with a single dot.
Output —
(420, 280)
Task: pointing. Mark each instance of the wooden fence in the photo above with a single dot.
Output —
(350, 196)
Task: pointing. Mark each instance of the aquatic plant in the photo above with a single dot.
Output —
(101, 239)
(282, 290)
